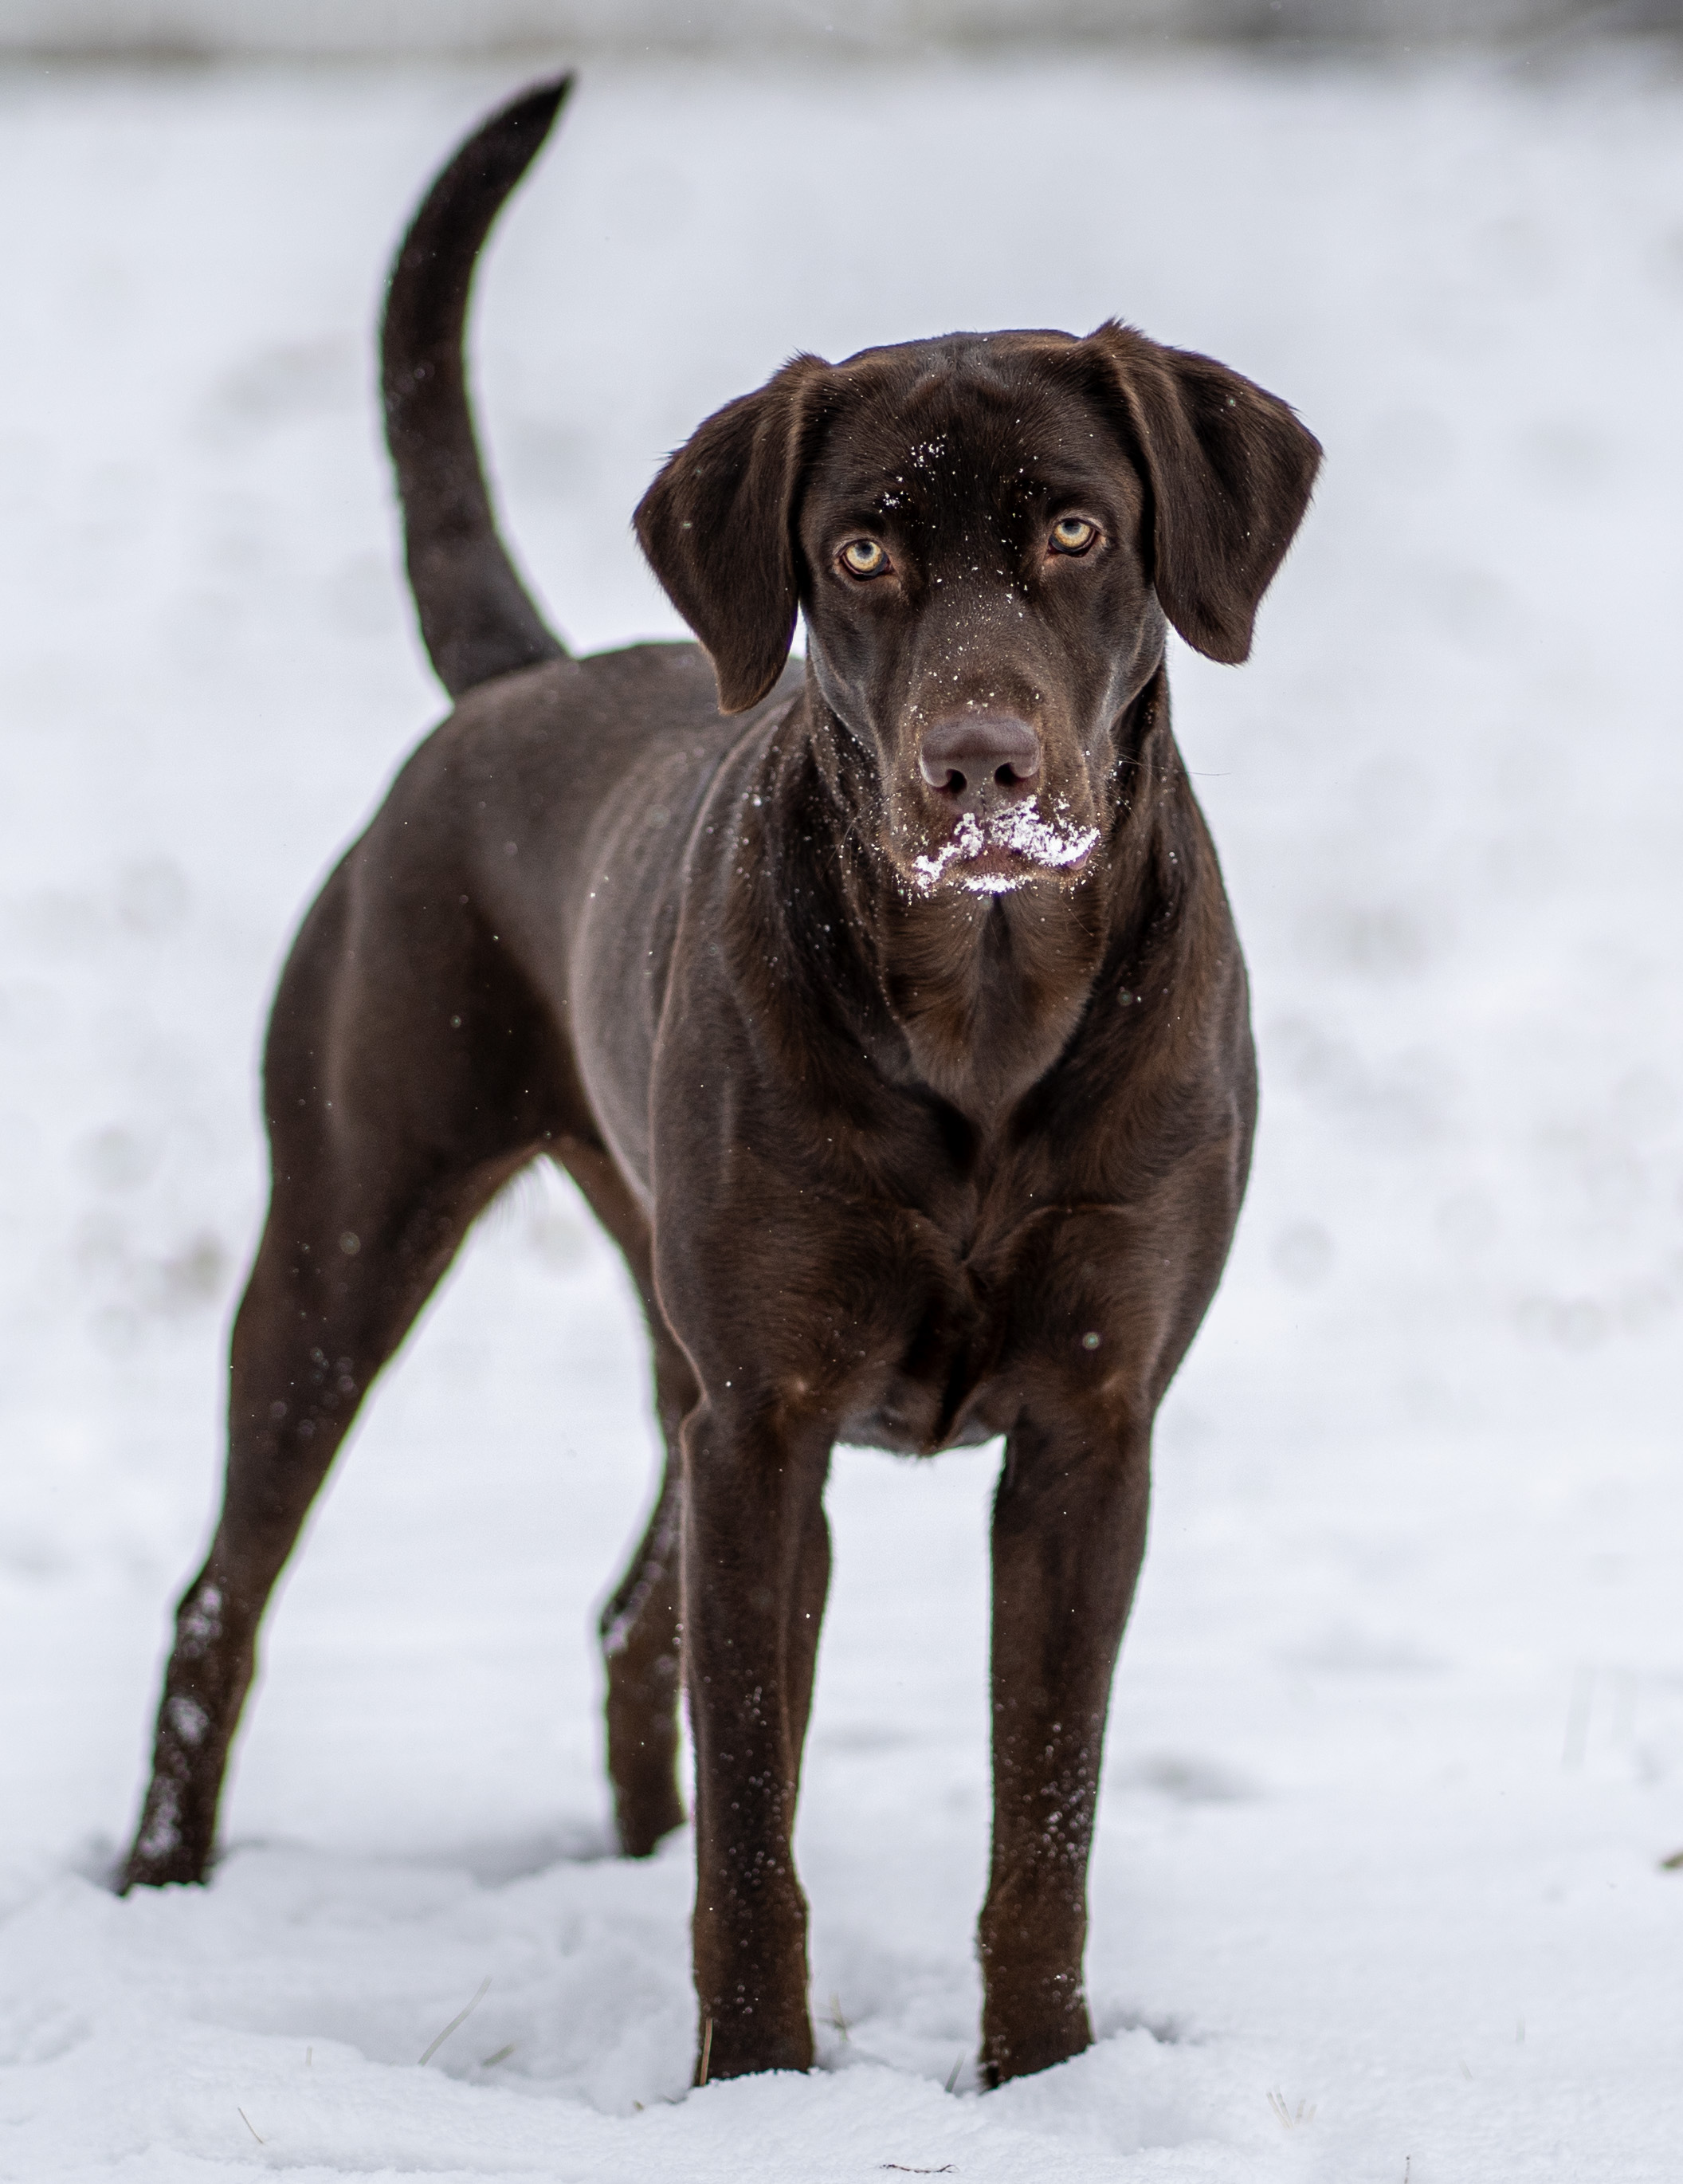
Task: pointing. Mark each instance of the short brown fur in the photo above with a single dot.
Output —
(894, 1026)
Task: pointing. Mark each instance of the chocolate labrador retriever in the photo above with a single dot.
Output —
(886, 1007)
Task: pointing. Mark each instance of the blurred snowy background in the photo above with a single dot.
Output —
(340, 27)
(1397, 1746)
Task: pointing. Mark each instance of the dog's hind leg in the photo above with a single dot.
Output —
(642, 1644)
(382, 1156)
(640, 1627)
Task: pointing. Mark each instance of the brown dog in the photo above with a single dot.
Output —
(889, 1013)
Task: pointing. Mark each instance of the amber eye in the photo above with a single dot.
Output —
(1073, 534)
(863, 557)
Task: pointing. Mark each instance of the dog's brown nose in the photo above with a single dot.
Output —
(979, 758)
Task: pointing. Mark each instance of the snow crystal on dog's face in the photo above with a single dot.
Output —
(1021, 830)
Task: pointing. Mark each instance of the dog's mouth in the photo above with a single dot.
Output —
(1001, 851)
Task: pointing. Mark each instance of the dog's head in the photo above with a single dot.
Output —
(986, 533)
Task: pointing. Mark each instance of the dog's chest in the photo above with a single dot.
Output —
(937, 1374)
(943, 1391)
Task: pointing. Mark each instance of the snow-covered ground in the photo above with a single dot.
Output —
(1397, 1752)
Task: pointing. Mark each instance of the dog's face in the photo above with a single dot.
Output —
(986, 533)
(977, 603)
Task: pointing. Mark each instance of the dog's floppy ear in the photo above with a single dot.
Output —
(717, 526)
(1231, 471)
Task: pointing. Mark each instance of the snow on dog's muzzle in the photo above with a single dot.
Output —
(1003, 849)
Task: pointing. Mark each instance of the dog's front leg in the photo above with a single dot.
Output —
(1069, 1532)
(756, 1563)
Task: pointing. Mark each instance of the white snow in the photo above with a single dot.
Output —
(1020, 828)
(1397, 1744)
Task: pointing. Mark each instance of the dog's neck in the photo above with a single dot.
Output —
(974, 996)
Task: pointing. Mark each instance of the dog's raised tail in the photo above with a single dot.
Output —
(476, 616)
